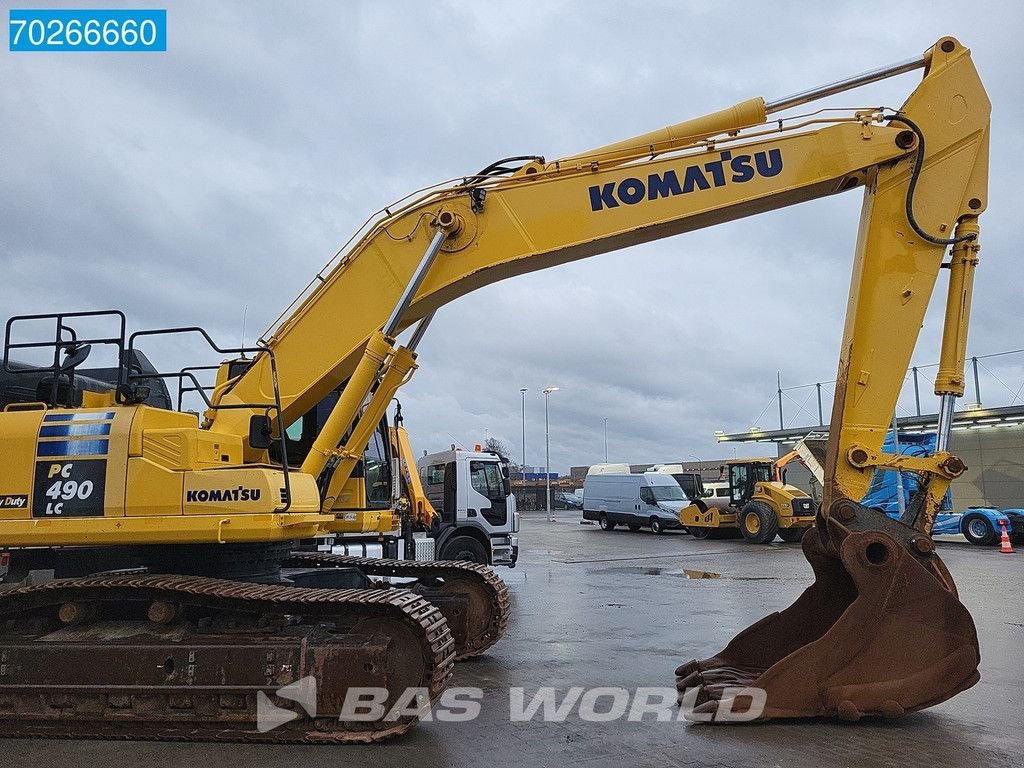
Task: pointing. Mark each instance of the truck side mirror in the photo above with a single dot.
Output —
(260, 432)
(507, 484)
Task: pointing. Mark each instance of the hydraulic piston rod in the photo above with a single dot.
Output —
(417, 335)
(831, 89)
(391, 326)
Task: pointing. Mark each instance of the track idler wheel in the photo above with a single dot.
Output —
(879, 632)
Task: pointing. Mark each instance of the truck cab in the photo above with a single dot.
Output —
(476, 518)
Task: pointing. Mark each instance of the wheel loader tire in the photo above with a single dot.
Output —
(758, 522)
(464, 548)
(604, 523)
(792, 535)
(699, 531)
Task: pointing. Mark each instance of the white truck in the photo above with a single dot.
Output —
(476, 516)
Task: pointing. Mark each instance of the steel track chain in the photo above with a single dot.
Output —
(483, 576)
(407, 607)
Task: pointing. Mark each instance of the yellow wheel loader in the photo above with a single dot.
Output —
(216, 613)
(760, 506)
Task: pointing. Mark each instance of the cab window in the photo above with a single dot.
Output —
(294, 432)
(377, 472)
(486, 479)
(738, 480)
(435, 474)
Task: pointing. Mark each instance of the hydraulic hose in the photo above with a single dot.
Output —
(914, 175)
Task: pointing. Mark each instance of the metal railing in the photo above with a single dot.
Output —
(810, 404)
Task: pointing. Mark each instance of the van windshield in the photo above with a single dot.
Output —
(668, 493)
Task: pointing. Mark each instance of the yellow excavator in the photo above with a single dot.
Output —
(208, 621)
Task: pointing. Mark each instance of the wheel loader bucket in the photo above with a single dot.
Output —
(879, 632)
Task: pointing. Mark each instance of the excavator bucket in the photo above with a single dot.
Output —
(879, 632)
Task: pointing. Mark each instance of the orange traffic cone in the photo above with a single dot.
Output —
(1004, 540)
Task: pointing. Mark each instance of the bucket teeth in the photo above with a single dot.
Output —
(879, 632)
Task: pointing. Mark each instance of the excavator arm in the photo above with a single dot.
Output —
(881, 631)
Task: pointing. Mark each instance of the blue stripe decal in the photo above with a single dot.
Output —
(68, 416)
(74, 430)
(73, 448)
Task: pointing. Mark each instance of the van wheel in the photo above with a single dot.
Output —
(634, 527)
(758, 523)
(656, 526)
(792, 535)
(604, 523)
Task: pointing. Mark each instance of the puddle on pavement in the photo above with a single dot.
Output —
(689, 573)
(684, 573)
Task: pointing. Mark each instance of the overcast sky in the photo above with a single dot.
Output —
(183, 187)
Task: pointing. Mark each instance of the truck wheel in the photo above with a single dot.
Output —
(604, 523)
(978, 530)
(792, 535)
(634, 527)
(464, 548)
(656, 526)
(758, 522)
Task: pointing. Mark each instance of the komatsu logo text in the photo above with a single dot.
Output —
(727, 169)
(227, 494)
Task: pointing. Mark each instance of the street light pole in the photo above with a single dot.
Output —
(523, 393)
(700, 463)
(606, 441)
(547, 450)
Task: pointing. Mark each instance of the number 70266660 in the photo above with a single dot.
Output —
(87, 30)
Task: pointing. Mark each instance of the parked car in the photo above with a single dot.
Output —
(568, 500)
(651, 500)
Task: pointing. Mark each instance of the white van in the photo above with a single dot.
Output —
(650, 500)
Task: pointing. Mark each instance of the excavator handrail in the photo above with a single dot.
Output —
(216, 404)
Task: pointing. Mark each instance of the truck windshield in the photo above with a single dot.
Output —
(668, 493)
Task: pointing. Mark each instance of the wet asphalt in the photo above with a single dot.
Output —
(622, 610)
